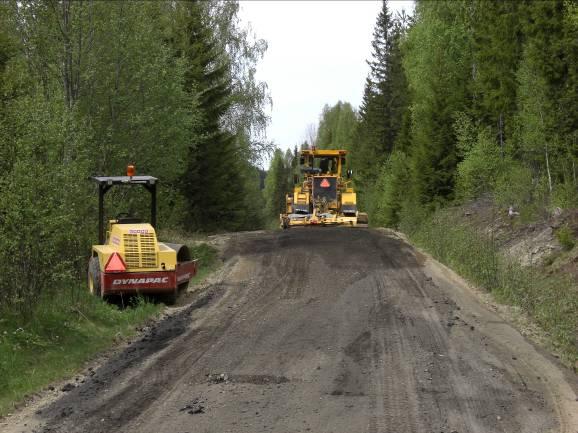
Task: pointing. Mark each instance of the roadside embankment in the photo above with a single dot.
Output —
(521, 264)
(64, 330)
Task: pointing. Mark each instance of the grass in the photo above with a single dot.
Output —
(58, 337)
(550, 299)
(207, 256)
(65, 330)
(208, 260)
(566, 237)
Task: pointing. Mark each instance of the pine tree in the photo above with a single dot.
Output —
(337, 126)
(276, 185)
(8, 51)
(551, 50)
(212, 183)
(437, 65)
(495, 36)
(385, 97)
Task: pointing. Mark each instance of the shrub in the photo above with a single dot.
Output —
(482, 163)
(391, 190)
(515, 186)
(566, 237)
(565, 195)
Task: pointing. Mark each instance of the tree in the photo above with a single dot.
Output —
(478, 171)
(437, 63)
(246, 114)
(383, 111)
(337, 126)
(385, 95)
(391, 190)
(212, 182)
(85, 88)
(495, 38)
(276, 185)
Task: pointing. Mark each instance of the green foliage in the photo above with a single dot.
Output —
(478, 171)
(466, 133)
(337, 127)
(246, 117)
(39, 202)
(437, 62)
(277, 184)
(517, 187)
(412, 215)
(390, 191)
(565, 236)
(480, 99)
(494, 41)
(383, 121)
(212, 181)
(253, 216)
(477, 109)
(565, 195)
(384, 103)
(64, 334)
(206, 255)
(534, 118)
(85, 88)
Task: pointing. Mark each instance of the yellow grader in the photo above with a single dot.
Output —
(322, 195)
(129, 259)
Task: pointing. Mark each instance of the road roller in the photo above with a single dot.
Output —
(129, 259)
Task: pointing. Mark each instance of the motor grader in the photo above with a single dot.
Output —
(129, 259)
(322, 195)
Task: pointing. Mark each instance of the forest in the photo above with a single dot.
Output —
(86, 88)
(464, 99)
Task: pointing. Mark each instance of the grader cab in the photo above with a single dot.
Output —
(128, 258)
(322, 195)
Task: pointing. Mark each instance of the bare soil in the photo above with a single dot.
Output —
(531, 244)
(321, 330)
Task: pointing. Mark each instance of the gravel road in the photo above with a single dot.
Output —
(323, 330)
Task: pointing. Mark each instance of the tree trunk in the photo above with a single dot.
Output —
(500, 128)
(548, 170)
(547, 156)
(67, 78)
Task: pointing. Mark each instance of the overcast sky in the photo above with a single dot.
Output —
(317, 55)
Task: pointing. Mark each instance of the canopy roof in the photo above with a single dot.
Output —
(324, 152)
(123, 180)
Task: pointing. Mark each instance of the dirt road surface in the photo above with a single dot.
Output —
(323, 330)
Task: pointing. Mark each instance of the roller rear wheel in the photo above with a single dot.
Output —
(94, 276)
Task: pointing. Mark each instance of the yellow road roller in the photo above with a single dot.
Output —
(129, 259)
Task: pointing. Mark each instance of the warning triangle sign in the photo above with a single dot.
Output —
(325, 183)
(115, 264)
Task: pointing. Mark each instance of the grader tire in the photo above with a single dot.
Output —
(94, 276)
(362, 218)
